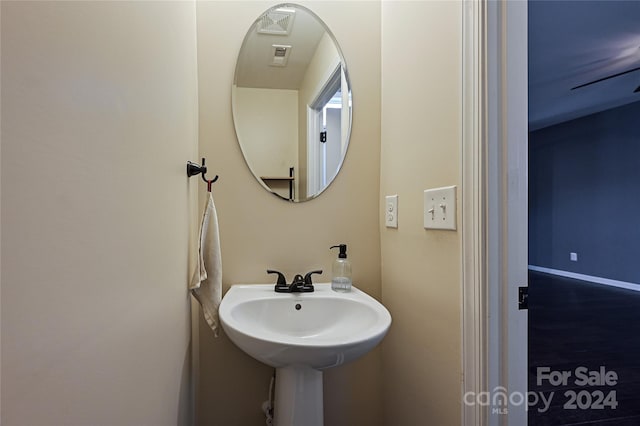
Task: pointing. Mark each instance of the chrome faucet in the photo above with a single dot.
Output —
(298, 285)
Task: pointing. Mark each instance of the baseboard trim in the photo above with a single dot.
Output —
(589, 278)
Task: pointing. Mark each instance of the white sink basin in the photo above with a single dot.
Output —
(327, 329)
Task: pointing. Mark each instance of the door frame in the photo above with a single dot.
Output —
(316, 169)
(494, 210)
(473, 189)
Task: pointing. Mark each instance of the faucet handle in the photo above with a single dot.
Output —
(281, 279)
(307, 277)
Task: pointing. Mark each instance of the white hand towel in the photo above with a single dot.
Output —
(206, 284)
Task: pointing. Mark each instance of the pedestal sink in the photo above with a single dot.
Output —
(301, 334)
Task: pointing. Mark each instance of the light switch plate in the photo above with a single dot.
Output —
(440, 208)
(391, 211)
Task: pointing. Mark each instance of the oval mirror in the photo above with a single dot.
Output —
(291, 103)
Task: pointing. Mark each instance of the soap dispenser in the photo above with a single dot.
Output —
(341, 271)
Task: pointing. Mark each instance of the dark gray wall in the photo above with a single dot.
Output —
(584, 195)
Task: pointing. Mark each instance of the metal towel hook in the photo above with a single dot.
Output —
(195, 169)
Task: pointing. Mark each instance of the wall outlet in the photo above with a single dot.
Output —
(573, 257)
(391, 211)
(440, 208)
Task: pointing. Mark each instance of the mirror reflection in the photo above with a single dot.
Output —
(291, 103)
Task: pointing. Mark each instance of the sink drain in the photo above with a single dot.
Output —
(298, 306)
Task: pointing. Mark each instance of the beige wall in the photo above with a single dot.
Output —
(259, 231)
(98, 119)
(421, 122)
(265, 120)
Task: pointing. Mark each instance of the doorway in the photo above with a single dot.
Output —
(496, 216)
(583, 231)
(327, 130)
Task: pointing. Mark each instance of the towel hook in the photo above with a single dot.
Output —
(195, 169)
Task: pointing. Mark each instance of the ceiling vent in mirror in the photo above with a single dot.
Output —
(277, 22)
(279, 55)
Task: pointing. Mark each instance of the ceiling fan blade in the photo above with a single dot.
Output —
(607, 78)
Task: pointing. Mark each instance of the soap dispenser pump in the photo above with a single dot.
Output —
(341, 271)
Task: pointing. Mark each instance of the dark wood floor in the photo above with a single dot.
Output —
(573, 324)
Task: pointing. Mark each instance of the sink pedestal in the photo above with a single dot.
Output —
(298, 398)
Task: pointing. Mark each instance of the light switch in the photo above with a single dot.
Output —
(440, 208)
(391, 211)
